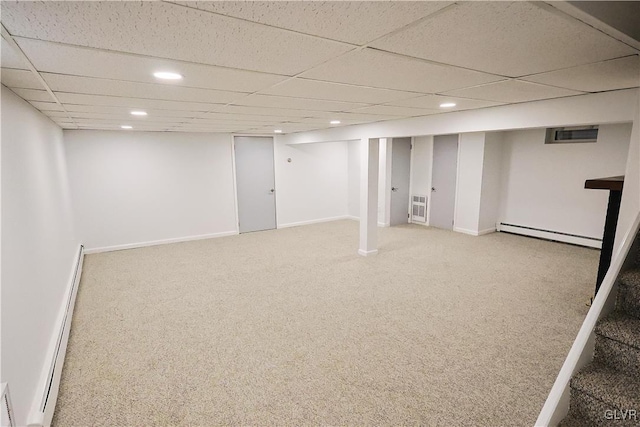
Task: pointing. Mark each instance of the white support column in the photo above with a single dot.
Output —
(369, 164)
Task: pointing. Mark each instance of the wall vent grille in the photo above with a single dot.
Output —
(419, 208)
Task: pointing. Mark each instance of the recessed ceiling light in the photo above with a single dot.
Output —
(126, 127)
(277, 131)
(138, 113)
(335, 122)
(448, 105)
(167, 75)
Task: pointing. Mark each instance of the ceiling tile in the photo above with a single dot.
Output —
(79, 61)
(369, 67)
(79, 110)
(246, 118)
(93, 86)
(434, 101)
(47, 106)
(391, 110)
(34, 95)
(315, 89)
(268, 111)
(513, 91)
(116, 101)
(170, 31)
(355, 22)
(507, 38)
(615, 74)
(24, 79)
(296, 103)
(9, 57)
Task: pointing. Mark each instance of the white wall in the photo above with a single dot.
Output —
(353, 166)
(543, 184)
(137, 187)
(315, 185)
(469, 182)
(491, 182)
(39, 246)
(384, 181)
(421, 168)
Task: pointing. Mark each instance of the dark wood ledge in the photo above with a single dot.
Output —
(614, 183)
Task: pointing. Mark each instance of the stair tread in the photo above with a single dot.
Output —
(631, 277)
(611, 386)
(572, 420)
(621, 327)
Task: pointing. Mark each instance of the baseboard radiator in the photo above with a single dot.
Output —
(43, 413)
(554, 235)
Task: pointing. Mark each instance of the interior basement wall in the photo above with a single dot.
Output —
(491, 182)
(354, 178)
(421, 168)
(135, 188)
(39, 247)
(314, 186)
(543, 184)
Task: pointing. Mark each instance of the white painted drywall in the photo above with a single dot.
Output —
(314, 186)
(469, 182)
(39, 246)
(421, 168)
(543, 184)
(131, 188)
(353, 166)
(491, 182)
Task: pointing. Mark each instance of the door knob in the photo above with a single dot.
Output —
(273, 190)
(433, 188)
(394, 188)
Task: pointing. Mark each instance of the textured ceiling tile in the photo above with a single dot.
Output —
(9, 57)
(128, 103)
(369, 67)
(268, 111)
(238, 117)
(79, 110)
(511, 39)
(23, 79)
(93, 86)
(315, 89)
(615, 74)
(79, 61)
(169, 31)
(351, 21)
(47, 106)
(513, 91)
(434, 101)
(391, 110)
(34, 95)
(297, 103)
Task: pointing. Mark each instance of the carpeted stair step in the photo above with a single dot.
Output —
(603, 396)
(618, 343)
(573, 421)
(629, 293)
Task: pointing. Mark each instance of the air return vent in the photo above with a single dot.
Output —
(572, 134)
(419, 208)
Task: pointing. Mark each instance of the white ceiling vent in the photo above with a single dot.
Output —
(572, 134)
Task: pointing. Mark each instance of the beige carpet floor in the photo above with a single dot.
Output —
(291, 327)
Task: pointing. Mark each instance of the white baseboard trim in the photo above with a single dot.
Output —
(44, 403)
(367, 253)
(424, 224)
(315, 221)
(353, 217)
(474, 232)
(574, 240)
(487, 231)
(383, 224)
(159, 242)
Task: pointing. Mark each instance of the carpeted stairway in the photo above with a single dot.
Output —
(607, 391)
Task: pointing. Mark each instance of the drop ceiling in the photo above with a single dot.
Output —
(253, 67)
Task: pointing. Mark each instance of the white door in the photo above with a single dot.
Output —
(443, 181)
(400, 170)
(255, 183)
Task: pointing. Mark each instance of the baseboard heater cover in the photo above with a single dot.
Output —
(560, 236)
(44, 413)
